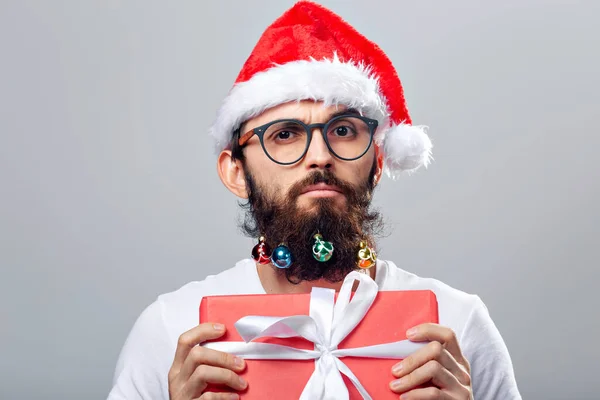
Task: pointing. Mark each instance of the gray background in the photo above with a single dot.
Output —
(109, 193)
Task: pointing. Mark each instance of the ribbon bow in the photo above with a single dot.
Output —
(327, 325)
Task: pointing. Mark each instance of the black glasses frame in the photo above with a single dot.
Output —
(260, 131)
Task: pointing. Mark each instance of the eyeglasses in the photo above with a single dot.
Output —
(286, 141)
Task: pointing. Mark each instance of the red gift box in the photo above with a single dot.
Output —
(390, 316)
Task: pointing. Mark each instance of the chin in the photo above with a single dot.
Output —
(313, 205)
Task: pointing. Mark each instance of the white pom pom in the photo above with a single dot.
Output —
(406, 148)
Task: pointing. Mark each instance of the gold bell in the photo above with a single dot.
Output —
(366, 256)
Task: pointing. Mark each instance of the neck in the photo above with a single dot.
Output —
(276, 283)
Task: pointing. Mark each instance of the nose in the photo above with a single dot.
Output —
(318, 155)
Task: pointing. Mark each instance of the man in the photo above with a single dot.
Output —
(315, 118)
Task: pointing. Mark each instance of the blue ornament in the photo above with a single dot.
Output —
(281, 257)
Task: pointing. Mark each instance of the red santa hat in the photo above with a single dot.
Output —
(310, 53)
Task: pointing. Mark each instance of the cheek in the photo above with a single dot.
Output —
(357, 171)
(257, 163)
(270, 177)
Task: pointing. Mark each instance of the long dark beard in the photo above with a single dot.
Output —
(280, 220)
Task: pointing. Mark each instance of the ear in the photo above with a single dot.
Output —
(232, 174)
(379, 171)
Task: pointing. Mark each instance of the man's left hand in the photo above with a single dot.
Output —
(436, 371)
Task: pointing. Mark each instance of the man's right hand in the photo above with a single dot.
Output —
(195, 366)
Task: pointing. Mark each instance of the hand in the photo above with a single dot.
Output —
(195, 366)
(439, 366)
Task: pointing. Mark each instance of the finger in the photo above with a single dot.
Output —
(201, 355)
(439, 333)
(427, 393)
(218, 396)
(188, 340)
(432, 372)
(432, 351)
(205, 374)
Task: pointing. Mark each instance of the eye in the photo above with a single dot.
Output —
(341, 131)
(283, 135)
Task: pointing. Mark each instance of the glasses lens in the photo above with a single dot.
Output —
(285, 141)
(349, 137)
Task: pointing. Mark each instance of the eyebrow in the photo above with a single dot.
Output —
(348, 111)
(351, 111)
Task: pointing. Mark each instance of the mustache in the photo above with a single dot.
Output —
(327, 177)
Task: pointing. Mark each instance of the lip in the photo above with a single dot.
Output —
(322, 190)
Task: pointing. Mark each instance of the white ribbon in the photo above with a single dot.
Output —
(327, 325)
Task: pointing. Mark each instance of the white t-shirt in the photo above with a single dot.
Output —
(148, 353)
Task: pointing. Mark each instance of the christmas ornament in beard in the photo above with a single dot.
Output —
(275, 215)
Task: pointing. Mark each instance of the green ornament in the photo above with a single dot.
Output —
(322, 250)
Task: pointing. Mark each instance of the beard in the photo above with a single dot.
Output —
(280, 220)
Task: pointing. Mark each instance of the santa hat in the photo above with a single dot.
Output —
(310, 53)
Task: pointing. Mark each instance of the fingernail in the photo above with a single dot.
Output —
(397, 368)
(238, 362)
(218, 327)
(397, 383)
(243, 383)
(233, 396)
(411, 332)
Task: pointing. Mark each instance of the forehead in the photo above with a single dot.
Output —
(307, 111)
